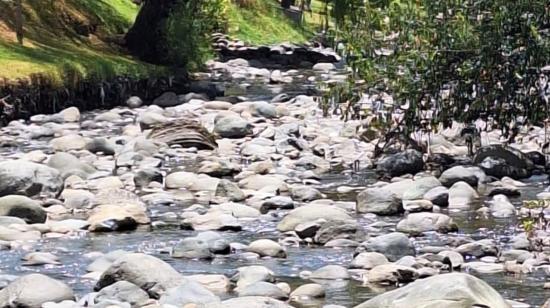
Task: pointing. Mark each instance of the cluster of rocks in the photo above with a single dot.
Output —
(216, 165)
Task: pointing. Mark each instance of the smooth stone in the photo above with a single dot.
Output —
(33, 290)
(269, 248)
(423, 222)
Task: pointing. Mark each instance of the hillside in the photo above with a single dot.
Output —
(64, 37)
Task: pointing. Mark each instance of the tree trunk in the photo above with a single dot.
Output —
(146, 38)
(19, 22)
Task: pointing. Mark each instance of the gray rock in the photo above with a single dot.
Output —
(102, 145)
(502, 207)
(232, 126)
(167, 99)
(393, 245)
(22, 207)
(407, 162)
(305, 193)
(478, 249)
(147, 272)
(134, 102)
(230, 190)
(190, 293)
(331, 230)
(310, 213)
(461, 196)
(269, 248)
(424, 222)
(420, 187)
(262, 288)
(143, 177)
(438, 196)
(324, 67)
(277, 202)
(123, 291)
(263, 109)
(330, 272)
(470, 175)
(33, 290)
(454, 290)
(391, 274)
(203, 246)
(68, 164)
(368, 260)
(250, 274)
(254, 302)
(25, 178)
(212, 221)
(385, 200)
(311, 290)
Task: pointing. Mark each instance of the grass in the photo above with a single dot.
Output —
(52, 46)
(264, 23)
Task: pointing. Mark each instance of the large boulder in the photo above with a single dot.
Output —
(33, 290)
(409, 161)
(117, 217)
(310, 213)
(22, 207)
(454, 290)
(20, 177)
(470, 175)
(147, 272)
(420, 187)
(461, 196)
(500, 161)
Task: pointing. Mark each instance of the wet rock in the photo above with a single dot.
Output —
(230, 190)
(101, 145)
(368, 260)
(167, 99)
(516, 255)
(324, 67)
(123, 291)
(71, 114)
(438, 196)
(11, 234)
(254, 302)
(232, 126)
(502, 207)
(407, 162)
(214, 283)
(184, 132)
(331, 230)
(483, 267)
(305, 193)
(68, 164)
(423, 222)
(309, 213)
(393, 245)
(251, 274)
(40, 258)
(33, 290)
(143, 177)
(461, 196)
(419, 187)
(478, 249)
(147, 272)
(29, 179)
(330, 272)
(456, 259)
(269, 248)
(148, 119)
(212, 221)
(520, 241)
(461, 290)
(19, 206)
(119, 217)
(310, 290)
(189, 293)
(236, 210)
(470, 175)
(500, 161)
(275, 203)
(413, 206)
(203, 246)
(108, 116)
(262, 288)
(219, 168)
(134, 102)
(391, 274)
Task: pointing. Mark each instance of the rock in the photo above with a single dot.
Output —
(330, 272)
(263, 109)
(502, 207)
(117, 217)
(500, 161)
(455, 258)
(385, 200)
(423, 222)
(19, 206)
(482, 267)
(25, 178)
(33, 290)
(438, 196)
(68, 164)
(143, 177)
(515, 255)
(167, 99)
(251, 274)
(478, 249)
(134, 102)
(331, 230)
(68, 143)
(71, 114)
(324, 67)
(305, 193)
(277, 202)
(232, 126)
(308, 229)
(391, 274)
(101, 145)
(230, 190)
(368, 260)
(311, 290)
(420, 187)
(202, 246)
(309, 213)
(262, 288)
(470, 175)
(407, 162)
(184, 132)
(413, 206)
(269, 248)
(393, 245)
(123, 291)
(147, 272)
(189, 293)
(236, 210)
(254, 302)
(212, 221)
(461, 196)
(446, 290)
(214, 283)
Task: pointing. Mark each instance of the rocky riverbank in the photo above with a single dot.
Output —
(246, 196)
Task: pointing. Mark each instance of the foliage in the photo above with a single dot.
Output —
(463, 59)
(188, 30)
